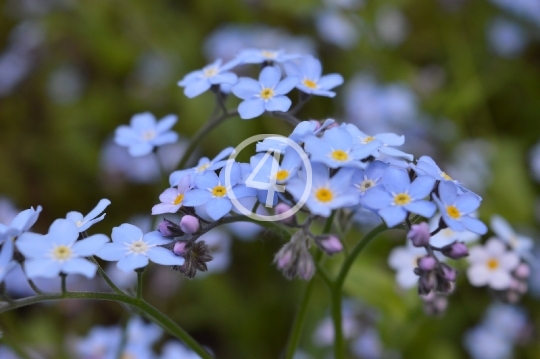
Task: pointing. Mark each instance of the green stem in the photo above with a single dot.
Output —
(151, 312)
(337, 289)
(139, 283)
(34, 287)
(106, 277)
(196, 139)
(296, 330)
(64, 289)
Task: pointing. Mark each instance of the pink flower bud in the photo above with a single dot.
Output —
(284, 259)
(419, 234)
(163, 228)
(523, 271)
(179, 248)
(282, 208)
(427, 263)
(189, 224)
(331, 245)
(455, 250)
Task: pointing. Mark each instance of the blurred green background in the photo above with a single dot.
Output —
(72, 71)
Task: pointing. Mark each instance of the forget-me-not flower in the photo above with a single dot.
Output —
(144, 133)
(176, 350)
(369, 177)
(211, 191)
(83, 223)
(448, 235)
(403, 260)
(100, 342)
(398, 196)
(389, 140)
(259, 56)
(59, 251)
(337, 149)
(132, 249)
(326, 193)
(199, 81)
(21, 223)
(173, 198)
(267, 94)
(520, 244)
(456, 209)
(309, 71)
(205, 164)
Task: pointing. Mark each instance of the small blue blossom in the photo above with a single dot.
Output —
(370, 177)
(309, 71)
(456, 209)
(59, 251)
(144, 133)
(301, 131)
(197, 82)
(326, 193)
(205, 164)
(132, 249)
(140, 337)
(176, 350)
(522, 245)
(211, 191)
(482, 342)
(173, 198)
(337, 148)
(398, 196)
(259, 56)
(267, 94)
(100, 342)
(389, 140)
(21, 223)
(507, 38)
(6, 259)
(83, 223)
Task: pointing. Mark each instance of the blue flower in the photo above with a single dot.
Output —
(301, 131)
(309, 70)
(211, 191)
(144, 133)
(389, 140)
(326, 193)
(398, 196)
(132, 249)
(265, 94)
(197, 82)
(456, 209)
(176, 350)
(101, 342)
(6, 259)
(173, 198)
(204, 165)
(337, 149)
(83, 223)
(21, 223)
(506, 38)
(59, 251)
(367, 179)
(259, 56)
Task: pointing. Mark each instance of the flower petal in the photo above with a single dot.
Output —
(164, 256)
(132, 262)
(91, 245)
(79, 266)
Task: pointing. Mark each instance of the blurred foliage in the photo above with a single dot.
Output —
(51, 153)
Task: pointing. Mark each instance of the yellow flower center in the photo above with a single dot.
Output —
(267, 93)
(367, 139)
(324, 195)
(282, 175)
(126, 355)
(219, 191)
(310, 84)
(492, 263)
(269, 54)
(453, 212)
(340, 155)
(148, 135)
(178, 199)
(365, 185)
(138, 247)
(446, 177)
(210, 72)
(61, 253)
(402, 199)
(202, 168)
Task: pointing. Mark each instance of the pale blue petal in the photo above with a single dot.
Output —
(102, 204)
(246, 88)
(396, 180)
(155, 238)
(33, 245)
(140, 149)
(317, 147)
(125, 136)
(176, 176)
(423, 208)
(194, 89)
(448, 192)
(330, 81)
(166, 123)
(224, 153)
(452, 223)
(126, 233)
(474, 225)
(26, 219)
(190, 77)
(6, 254)
(218, 207)
(228, 78)
(41, 268)
(91, 245)
(320, 92)
(168, 137)
(164, 257)
(270, 76)
(79, 266)
(249, 109)
(348, 200)
(421, 187)
(278, 103)
(318, 208)
(291, 69)
(207, 180)
(393, 215)
(311, 67)
(161, 208)
(112, 251)
(396, 153)
(391, 139)
(132, 262)
(241, 191)
(286, 85)
(376, 198)
(365, 150)
(196, 197)
(338, 138)
(63, 231)
(467, 203)
(144, 121)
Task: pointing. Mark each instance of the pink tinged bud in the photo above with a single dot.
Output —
(282, 208)
(163, 228)
(306, 267)
(284, 259)
(449, 273)
(179, 248)
(331, 245)
(419, 234)
(523, 271)
(455, 250)
(427, 263)
(189, 224)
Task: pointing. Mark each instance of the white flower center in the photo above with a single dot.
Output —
(366, 184)
(148, 135)
(61, 253)
(210, 72)
(138, 247)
